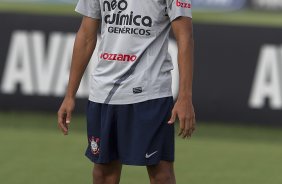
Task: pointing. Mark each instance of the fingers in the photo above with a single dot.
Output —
(62, 122)
(187, 126)
(65, 113)
(68, 117)
(173, 117)
(186, 129)
(191, 127)
(181, 126)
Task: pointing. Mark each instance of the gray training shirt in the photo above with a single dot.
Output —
(133, 60)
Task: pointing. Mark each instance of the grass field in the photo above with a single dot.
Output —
(33, 151)
(244, 17)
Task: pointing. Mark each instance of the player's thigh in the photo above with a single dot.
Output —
(164, 171)
(110, 170)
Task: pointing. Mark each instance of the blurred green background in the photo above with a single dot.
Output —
(33, 151)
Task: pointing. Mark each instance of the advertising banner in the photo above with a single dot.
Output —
(218, 4)
(34, 61)
(238, 74)
(237, 78)
(267, 4)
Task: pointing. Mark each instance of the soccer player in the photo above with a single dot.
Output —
(130, 112)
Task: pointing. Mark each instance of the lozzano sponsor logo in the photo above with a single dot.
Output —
(118, 57)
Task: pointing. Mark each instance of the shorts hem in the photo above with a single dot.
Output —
(145, 162)
(130, 162)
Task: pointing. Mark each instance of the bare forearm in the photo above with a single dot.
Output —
(82, 52)
(183, 31)
(185, 63)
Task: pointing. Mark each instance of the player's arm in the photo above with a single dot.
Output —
(183, 108)
(84, 46)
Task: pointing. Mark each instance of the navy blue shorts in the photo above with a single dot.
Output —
(134, 134)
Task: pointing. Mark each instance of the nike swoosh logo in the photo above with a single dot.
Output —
(149, 155)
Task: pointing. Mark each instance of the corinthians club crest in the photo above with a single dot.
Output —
(94, 145)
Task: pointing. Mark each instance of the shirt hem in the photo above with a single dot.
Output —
(138, 99)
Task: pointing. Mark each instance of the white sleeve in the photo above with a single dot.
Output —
(89, 8)
(177, 8)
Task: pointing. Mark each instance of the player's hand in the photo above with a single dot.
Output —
(64, 114)
(184, 110)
